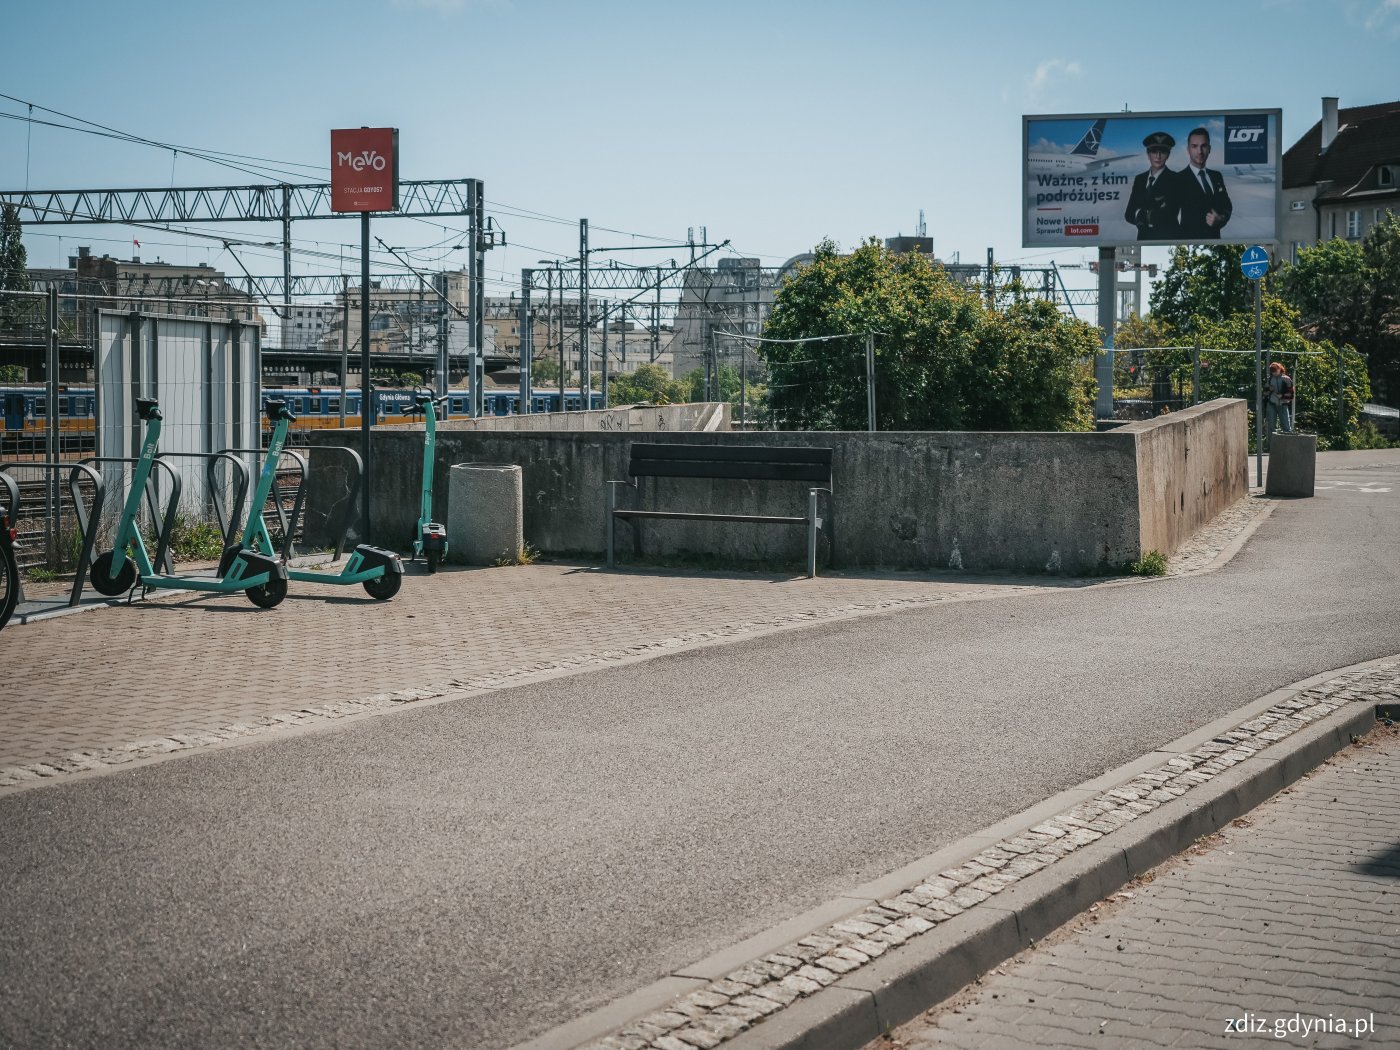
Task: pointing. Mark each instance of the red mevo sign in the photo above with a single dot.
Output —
(365, 169)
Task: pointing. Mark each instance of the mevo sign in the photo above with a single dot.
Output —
(365, 169)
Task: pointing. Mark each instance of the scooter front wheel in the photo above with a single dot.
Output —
(103, 581)
(382, 588)
(266, 595)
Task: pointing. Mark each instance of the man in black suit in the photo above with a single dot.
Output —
(1154, 206)
(1205, 206)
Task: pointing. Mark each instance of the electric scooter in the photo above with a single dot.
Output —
(431, 538)
(262, 578)
(379, 571)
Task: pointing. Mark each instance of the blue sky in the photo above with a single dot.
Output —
(771, 123)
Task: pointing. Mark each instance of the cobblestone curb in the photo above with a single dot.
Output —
(88, 759)
(747, 996)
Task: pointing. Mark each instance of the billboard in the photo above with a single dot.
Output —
(365, 169)
(1110, 179)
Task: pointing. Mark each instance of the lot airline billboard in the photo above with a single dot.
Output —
(1109, 179)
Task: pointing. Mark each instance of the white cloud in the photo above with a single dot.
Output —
(1052, 69)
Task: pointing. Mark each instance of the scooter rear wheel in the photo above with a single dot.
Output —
(432, 557)
(266, 595)
(382, 588)
(101, 576)
(9, 582)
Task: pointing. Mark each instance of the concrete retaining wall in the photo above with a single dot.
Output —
(1005, 502)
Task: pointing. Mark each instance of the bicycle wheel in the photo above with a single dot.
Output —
(9, 582)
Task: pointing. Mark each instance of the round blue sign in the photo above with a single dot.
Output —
(1254, 264)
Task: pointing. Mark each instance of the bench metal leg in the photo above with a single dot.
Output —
(612, 505)
(811, 534)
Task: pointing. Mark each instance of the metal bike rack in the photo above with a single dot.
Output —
(352, 498)
(77, 472)
(162, 559)
(228, 521)
(288, 551)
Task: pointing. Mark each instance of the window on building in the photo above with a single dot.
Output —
(1332, 224)
(1386, 175)
(1353, 223)
(1297, 247)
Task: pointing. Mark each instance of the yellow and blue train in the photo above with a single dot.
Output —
(24, 409)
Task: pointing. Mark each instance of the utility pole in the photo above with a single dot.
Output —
(562, 373)
(478, 305)
(344, 344)
(656, 320)
(605, 353)
(527, 341)
(584, 379)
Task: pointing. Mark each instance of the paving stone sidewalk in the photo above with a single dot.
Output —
(118, 684)
(1283, 929)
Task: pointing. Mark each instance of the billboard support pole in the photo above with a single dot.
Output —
(1103, 366)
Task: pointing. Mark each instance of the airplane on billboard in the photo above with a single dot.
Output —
(1084, 157)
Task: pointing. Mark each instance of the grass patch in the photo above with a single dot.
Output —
(1153, 563)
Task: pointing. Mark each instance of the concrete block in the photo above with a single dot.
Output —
(485, 516)
(1292, 465)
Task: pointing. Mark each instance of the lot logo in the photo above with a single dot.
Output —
(1246, 140)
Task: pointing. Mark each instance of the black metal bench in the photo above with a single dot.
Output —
(732, 462)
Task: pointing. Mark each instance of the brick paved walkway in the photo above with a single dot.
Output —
(184, 667)
(113, 685)
(1291, 916)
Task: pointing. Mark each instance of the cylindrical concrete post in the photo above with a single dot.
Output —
(485, 514)
(1292, 465)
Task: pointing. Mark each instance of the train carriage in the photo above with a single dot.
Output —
(24, 409)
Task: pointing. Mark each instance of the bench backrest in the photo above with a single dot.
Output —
(744, 462)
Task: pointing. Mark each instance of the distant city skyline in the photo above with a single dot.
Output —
(772, 125)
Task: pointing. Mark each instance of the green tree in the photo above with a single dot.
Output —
(13, 275)
(12, 374)
(1313, 364)
(944, 358)
(544, 371)
(410, 379)
(1350, 293)
(1201, 284)
(648, 385)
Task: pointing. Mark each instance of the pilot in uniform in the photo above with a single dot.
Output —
(1154, 206)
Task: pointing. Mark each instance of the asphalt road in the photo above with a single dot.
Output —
(474, 873)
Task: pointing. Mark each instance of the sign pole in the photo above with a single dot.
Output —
(364, 179)
(366, 391)
(1258, 386)
(1254, 264)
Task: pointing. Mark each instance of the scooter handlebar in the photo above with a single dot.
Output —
(277, 409)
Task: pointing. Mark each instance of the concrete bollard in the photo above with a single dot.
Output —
(485, 513)
(1292, 465)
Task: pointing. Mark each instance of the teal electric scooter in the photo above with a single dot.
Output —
(430, 540)
(379, 571)
(262, 578)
